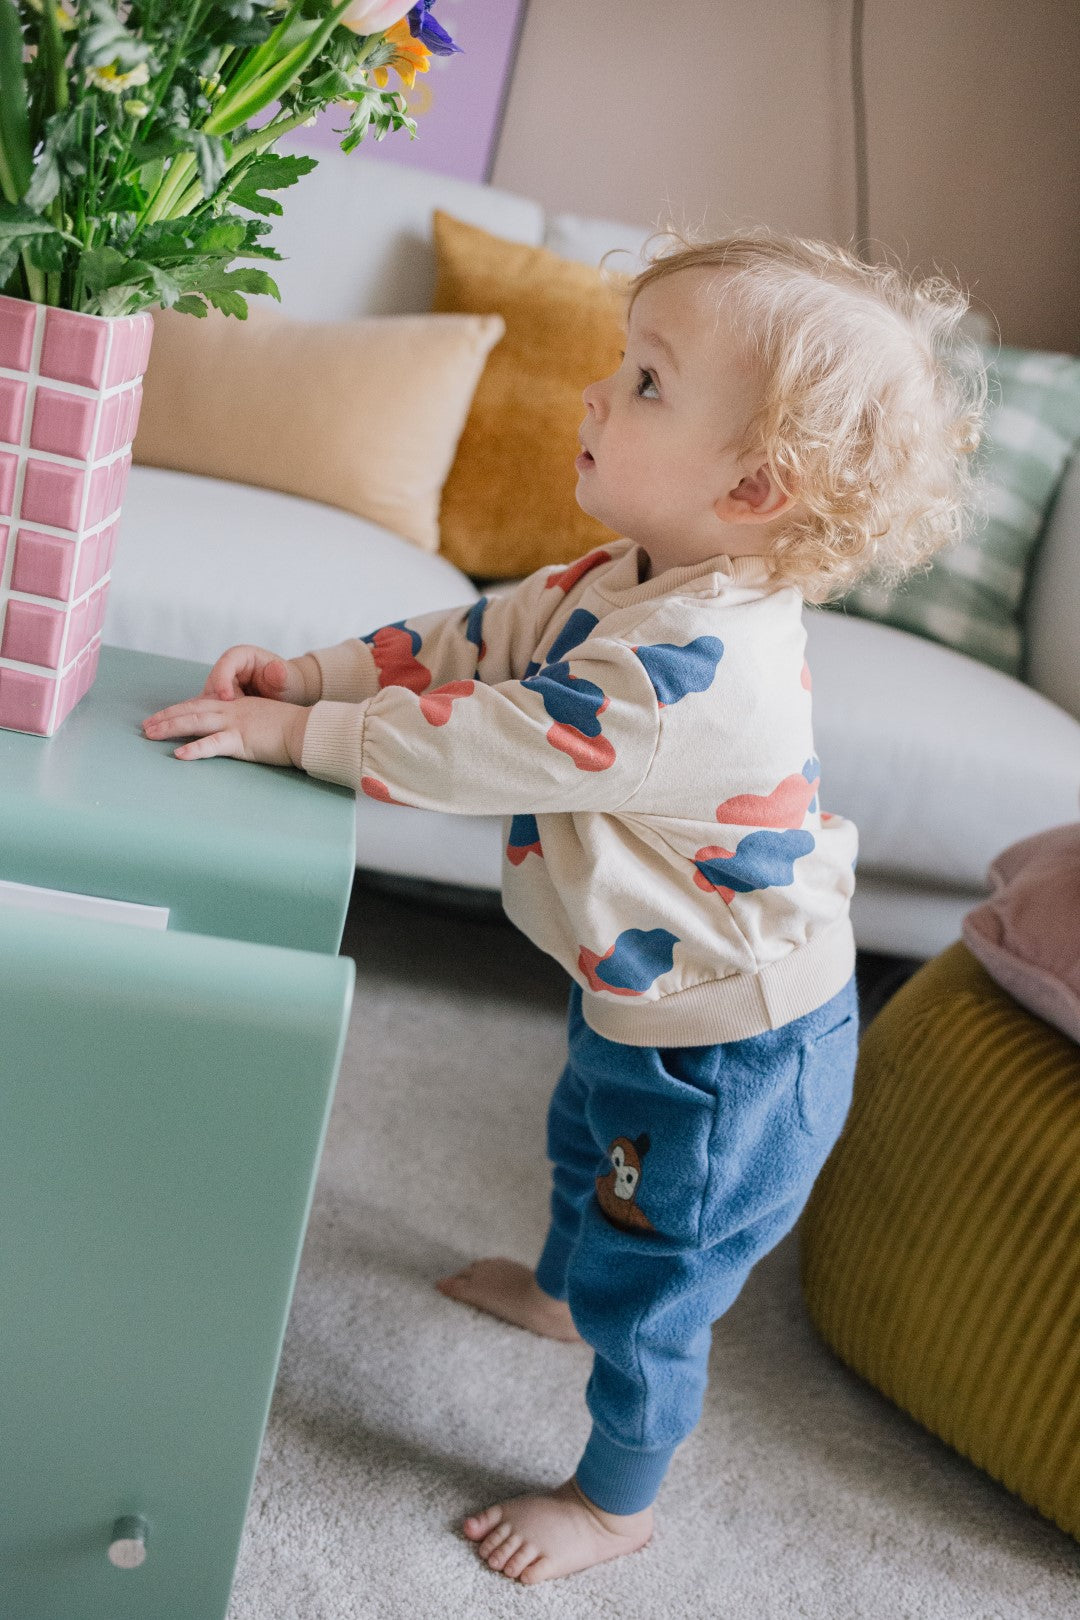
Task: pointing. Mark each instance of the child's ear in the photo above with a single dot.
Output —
(756, 498)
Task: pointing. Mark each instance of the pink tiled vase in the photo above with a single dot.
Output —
(70, 392)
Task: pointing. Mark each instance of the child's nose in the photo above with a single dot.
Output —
(592, 396)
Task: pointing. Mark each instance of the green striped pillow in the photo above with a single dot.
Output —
(970, 597)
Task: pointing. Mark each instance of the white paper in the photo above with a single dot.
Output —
(30, 898)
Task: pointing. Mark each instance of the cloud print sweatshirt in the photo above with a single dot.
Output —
(650, 746)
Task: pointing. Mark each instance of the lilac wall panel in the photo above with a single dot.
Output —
(457, 104)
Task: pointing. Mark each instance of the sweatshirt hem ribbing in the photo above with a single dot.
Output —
(736, 1007)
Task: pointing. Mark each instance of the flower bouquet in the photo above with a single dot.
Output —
(134, 171)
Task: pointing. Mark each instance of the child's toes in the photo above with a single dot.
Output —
(520, 1561)
(496, 1539)
(477, 1525)
(504, 1552)
(539, 1570)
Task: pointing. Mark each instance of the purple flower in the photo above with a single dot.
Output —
(430, 33)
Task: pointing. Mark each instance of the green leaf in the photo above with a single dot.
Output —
(167, 287)
(245, 195)
(190, 305)
(224, 287)
(16, 147)
(20, 228)
(62, 157)
(106, 40)
(275, 170)
(160, 146)
(212, 155)
(45, 181)
(102, 267)
(150, 174)
(47, 252)
(330, 86)
(229, 303)
(272, 172)
(18, 219)
(216, 279)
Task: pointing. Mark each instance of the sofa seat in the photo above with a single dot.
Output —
(900, 722)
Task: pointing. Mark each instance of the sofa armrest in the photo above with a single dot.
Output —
(1053, 598)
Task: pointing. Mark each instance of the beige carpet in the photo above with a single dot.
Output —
(803, 1492)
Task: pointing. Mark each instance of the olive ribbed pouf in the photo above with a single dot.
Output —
(940, 1248)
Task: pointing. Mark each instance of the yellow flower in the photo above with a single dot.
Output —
(409, 58)
(65, 20)
(111, 79)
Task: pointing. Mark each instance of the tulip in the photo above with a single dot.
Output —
(373, 16)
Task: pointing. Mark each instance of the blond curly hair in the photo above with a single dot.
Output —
(874, 402)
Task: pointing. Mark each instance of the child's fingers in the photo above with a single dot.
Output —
(217, 744)
(222, 680)
(237, 673)
(184, 719)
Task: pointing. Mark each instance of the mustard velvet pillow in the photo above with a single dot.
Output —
(364, 415)
(508, 505)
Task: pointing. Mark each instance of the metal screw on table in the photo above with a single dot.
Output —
(127, 1546)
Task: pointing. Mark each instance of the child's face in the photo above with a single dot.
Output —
(659, 440)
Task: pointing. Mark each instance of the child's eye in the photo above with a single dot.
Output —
(643, 377)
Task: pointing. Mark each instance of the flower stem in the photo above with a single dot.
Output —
(195, 18)
(263, 137)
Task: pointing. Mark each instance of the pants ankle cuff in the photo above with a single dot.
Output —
(618, 1478)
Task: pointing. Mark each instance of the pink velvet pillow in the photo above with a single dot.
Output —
(1027, 935)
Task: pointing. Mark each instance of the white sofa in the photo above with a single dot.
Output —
(939, 760)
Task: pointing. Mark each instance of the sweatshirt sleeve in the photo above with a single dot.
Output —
(580, 734)
(491, 640)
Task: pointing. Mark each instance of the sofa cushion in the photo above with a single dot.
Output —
(1053, 646)
(939, 760)
(900, 723)
(364, 415)
(1027, 935)
(202, 564)
(509, 503)
(971, 596)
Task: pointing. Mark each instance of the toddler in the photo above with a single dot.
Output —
(784, 419)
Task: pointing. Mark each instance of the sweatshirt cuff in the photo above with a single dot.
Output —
(349, 671)
(334, 743)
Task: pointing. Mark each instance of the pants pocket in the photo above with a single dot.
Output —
(825, 1079)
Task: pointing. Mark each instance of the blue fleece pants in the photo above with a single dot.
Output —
(675, 1170)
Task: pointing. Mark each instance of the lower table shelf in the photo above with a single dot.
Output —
(162, 1110)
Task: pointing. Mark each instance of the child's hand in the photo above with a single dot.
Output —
(257, 729)
(255, 672)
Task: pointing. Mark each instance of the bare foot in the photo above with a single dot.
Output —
(507, 1289)
(539, 1538)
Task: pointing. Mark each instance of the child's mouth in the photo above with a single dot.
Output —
(584, 461)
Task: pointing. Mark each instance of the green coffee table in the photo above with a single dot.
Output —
(163, 1101)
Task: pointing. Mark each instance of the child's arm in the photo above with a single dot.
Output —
(578, 735)
(491, 640)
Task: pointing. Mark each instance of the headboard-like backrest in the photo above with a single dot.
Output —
(356, 235)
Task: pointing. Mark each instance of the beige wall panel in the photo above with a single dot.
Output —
(729, 112)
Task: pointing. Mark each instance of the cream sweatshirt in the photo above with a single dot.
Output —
(650, 747)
